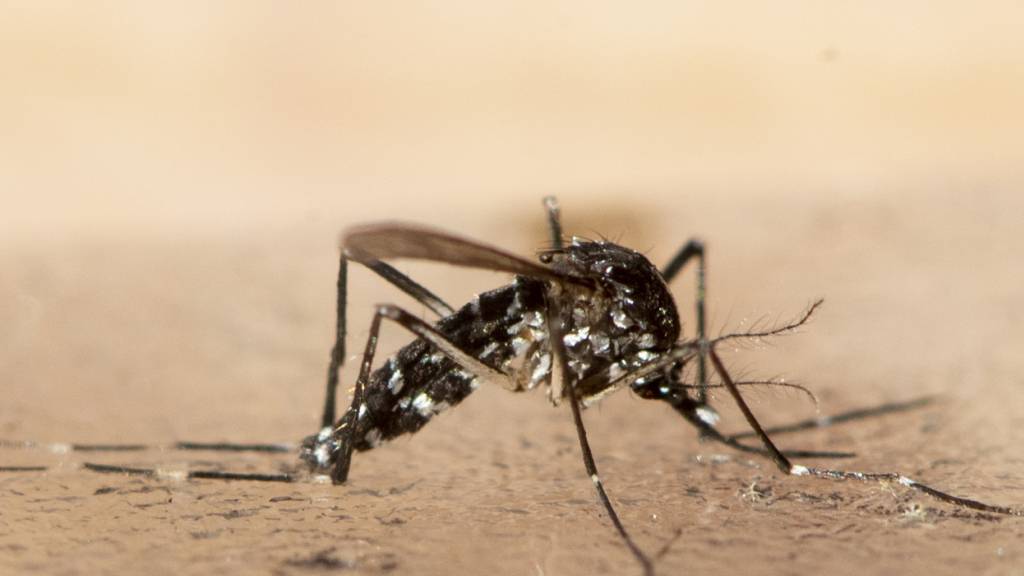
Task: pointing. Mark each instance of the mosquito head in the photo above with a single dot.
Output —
(639, 301)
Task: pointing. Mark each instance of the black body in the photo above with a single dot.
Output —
(419, 381)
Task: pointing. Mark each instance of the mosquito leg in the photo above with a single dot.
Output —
(797, 470)
(694, 249)
(569, 385)
(342, 436)
(233, 447)
(692, 412)
(394, 277)
(338, 351)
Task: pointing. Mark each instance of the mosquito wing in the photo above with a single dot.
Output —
(380, 241)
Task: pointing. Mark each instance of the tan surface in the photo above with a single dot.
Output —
(174, 182)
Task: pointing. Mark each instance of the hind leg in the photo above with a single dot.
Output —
(797, 470)
(332, 447)
(392, 276)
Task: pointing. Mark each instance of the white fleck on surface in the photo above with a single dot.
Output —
(798, 470)
(60, 448)
(175, 475)
(595, 479)
(362, 411)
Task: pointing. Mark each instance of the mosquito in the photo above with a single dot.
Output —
(586, 319)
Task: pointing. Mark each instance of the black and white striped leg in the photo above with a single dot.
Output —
(555, 323)
(341, 437)
(797, 470)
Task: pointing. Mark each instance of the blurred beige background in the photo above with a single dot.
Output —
(174, 177)
(144, 118)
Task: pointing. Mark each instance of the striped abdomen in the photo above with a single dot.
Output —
(419, 381)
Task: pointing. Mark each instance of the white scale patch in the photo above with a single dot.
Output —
(489, 349)
(395, 383)
(646, 340)
(707, 415)
(621, 319)
(423, 404)
(645, 356)
(426, 406)
(615, 370)
(519, 346)
(574, 338)
(540, 370)
(372, 437)
(323, 455)
(534, 319)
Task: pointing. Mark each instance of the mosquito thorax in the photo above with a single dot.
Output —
(628, 318)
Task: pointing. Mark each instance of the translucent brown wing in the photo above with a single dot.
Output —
(400, 240)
